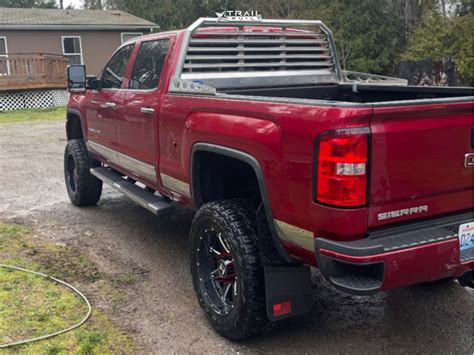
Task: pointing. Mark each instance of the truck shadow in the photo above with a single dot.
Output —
(429, 318)
(422, 317)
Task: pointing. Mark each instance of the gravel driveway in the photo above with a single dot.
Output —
(161, 312)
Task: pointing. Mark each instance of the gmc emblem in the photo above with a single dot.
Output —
(469, 160)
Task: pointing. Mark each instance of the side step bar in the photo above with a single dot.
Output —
(156, 204)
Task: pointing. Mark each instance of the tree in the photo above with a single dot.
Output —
(368, 36)
(439, 37)
(93, 5)
(371, 35)
(45, 4)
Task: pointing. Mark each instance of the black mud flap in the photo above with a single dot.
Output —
(288, 291)
(467, 280)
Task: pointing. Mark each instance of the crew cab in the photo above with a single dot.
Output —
(289, 161)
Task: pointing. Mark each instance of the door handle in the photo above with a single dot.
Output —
(147, 110)
(109, 105)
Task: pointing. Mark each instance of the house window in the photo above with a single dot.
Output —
(4, 65)
(72, 48)
(3, 46)
(129, 35)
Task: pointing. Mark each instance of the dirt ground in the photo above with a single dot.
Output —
(161, 312)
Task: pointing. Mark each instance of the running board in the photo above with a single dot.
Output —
(155, 204)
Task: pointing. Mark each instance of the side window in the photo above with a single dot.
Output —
(149, 64)
(112, 77)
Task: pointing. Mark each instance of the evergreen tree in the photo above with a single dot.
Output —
(439, 38)
(371, 35)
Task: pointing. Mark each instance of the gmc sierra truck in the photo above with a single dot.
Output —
(289, 161)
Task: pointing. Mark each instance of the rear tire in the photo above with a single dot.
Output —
(83, 188)
(226, 268)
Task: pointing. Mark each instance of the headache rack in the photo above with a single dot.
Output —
(230, 54)
(248, 54)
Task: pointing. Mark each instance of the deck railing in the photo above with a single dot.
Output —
(32, 71)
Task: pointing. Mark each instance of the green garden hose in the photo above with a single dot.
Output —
(58, 332)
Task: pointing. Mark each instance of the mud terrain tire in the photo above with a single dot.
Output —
(232, 221)
(83, 188)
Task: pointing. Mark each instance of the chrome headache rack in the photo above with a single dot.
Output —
(244, 54)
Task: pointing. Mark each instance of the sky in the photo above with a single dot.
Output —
(77, 3)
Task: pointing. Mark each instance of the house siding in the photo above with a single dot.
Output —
(97, 46)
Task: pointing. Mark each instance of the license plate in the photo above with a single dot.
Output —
(466, 235)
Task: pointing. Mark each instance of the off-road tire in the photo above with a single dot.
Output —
(83, 188)
(237, 219)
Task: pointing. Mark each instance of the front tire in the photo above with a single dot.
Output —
(83, 188)
(226, 268)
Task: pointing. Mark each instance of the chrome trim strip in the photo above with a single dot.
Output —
(109, 154)
(175, 185)
(295, 235)
(136, 166)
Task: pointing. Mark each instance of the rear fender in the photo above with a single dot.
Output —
(254, 164)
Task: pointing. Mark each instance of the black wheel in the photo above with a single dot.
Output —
(467, 280)
(83, 188)
(226, 268)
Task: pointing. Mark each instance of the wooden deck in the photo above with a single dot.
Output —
(33, 71)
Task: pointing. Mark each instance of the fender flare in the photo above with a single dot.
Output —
(78, 114)
(255, 165)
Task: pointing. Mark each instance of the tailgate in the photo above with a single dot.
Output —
(418, 161)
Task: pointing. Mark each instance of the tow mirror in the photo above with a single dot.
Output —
(76, 78)
(93, 83)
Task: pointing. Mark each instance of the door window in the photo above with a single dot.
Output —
(113, 74)
(148, 65)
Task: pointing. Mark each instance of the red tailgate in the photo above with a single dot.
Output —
(418, 167)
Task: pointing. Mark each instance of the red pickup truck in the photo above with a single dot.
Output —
(289, 161)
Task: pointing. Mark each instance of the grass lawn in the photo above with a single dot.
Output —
(16, 116)
(32, 306)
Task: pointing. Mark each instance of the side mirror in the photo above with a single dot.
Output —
(76, 78)
(93, 83)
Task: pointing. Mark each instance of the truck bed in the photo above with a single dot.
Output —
(364, 94)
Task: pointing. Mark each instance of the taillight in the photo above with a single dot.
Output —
(342, 167)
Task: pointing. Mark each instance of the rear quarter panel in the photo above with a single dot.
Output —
(280, 136)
